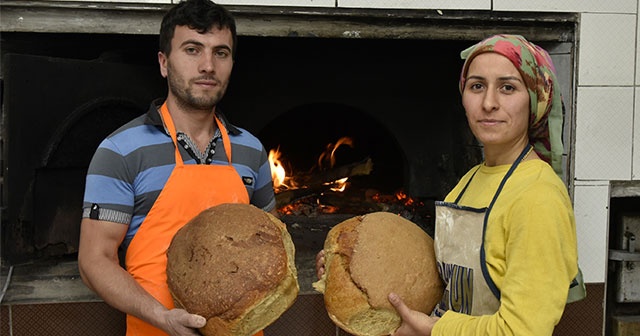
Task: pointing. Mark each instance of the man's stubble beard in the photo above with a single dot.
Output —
(184, 95)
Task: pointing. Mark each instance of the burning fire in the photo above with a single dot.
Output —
(315, 196)
(329, 153)
(278, 173)
(283, 180)
(338, 185)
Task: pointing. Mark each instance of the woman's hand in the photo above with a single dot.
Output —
(414, 323)
(320, 264)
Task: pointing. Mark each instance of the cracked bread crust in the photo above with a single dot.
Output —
(366, 258)
(229, 260)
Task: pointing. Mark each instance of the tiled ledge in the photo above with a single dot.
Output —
(60, 282)
(45, 282)
(56, 281)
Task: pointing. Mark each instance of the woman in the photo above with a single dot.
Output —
(505, 236)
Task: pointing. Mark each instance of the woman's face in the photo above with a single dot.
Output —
(496, 102)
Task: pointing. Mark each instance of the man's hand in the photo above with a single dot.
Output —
(320, 264)
(414, 323)
(180, 323)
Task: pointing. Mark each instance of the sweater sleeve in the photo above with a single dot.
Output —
(532, 257)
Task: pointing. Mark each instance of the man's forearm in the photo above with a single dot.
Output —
(120, 290)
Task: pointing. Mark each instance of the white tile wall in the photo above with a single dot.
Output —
(637, 47)
(604, 128)
(418, 4)
(574, 6)
(636, 137)
(591, 211)
(607, 49)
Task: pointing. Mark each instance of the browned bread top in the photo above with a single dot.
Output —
(225, 260)
(369, 256)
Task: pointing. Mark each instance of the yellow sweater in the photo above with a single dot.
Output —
(531, 250)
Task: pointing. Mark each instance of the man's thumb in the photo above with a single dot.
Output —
(197, 321)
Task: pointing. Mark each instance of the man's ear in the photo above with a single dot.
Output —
(162, 61)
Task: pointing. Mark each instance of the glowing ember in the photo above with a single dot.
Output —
(405, 199)
(400, 197)
(338, 185)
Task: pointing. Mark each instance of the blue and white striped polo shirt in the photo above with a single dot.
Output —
(132, 165)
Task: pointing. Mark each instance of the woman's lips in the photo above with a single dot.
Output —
(489, 122)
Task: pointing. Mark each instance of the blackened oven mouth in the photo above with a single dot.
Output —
(44, 184)
(339, 163)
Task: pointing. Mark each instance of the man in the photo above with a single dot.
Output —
(152, 175)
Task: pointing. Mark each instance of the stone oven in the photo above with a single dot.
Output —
(303, 78)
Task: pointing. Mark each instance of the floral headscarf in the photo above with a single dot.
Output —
(537, 70)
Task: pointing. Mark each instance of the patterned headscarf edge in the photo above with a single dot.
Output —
(538, 72)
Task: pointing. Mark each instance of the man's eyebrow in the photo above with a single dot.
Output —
(191, 42)
(222, 46)
(200, 44)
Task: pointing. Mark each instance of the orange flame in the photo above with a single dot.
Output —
(338, 185)
(282, 180)
(277, 170)
(329, 153)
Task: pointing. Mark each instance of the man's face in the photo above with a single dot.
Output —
(198, 67)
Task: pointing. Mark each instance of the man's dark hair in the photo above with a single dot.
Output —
(200, 15)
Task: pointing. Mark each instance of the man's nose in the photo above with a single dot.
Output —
(207, 63)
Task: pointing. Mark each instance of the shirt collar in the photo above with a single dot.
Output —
(154, 118)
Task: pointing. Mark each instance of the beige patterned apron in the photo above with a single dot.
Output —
(459, 248)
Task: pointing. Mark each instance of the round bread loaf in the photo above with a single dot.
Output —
(233, 264)
(366, 258)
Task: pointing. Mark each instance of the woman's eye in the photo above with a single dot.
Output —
(508, 87)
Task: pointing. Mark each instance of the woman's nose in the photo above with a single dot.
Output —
(490, 101)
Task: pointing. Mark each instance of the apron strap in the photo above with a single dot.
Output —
(465, 186)
(168, 121)
(483, 264)
(225, 138)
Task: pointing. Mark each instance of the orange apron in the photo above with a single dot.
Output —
(182, 198)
